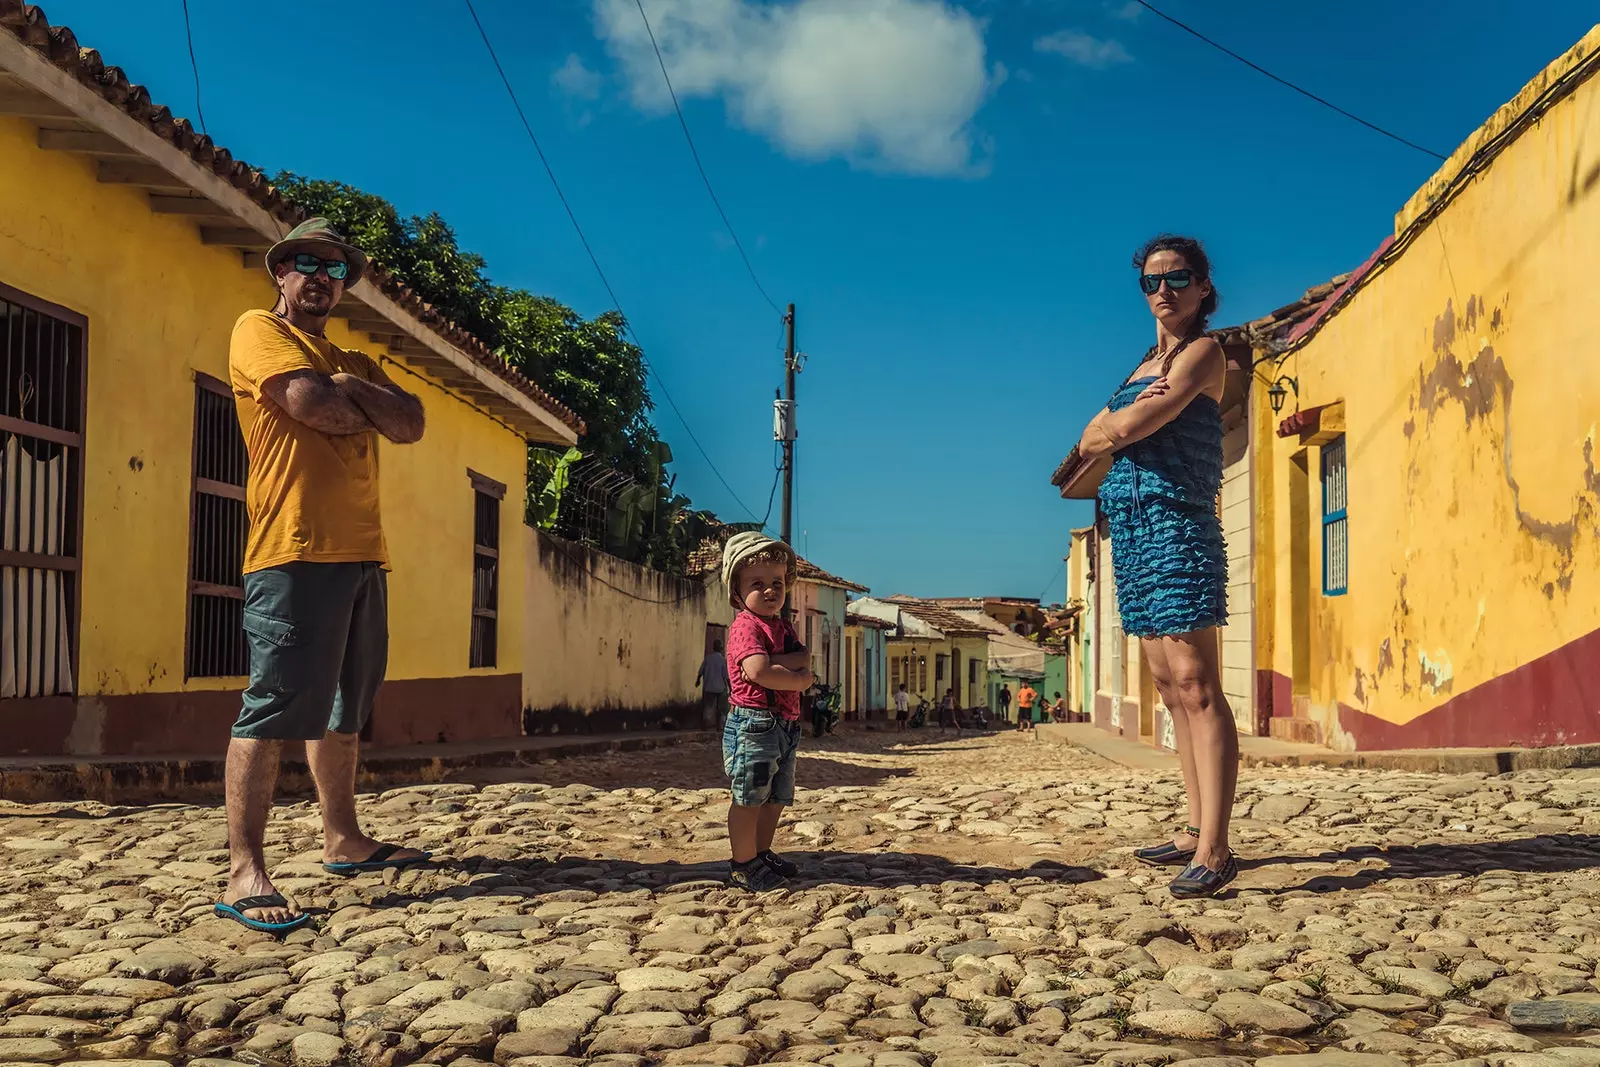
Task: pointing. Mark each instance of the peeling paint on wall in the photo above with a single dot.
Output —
(1438, 675)
(1479, 388)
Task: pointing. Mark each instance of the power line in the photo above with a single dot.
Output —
(1052, 581)
(517, 104)
(697, 164)
(1289, 84)
(188, 33)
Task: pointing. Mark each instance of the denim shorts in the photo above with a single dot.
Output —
(758, 750)
(318, 635)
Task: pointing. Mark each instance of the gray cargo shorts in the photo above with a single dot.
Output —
(319, 646)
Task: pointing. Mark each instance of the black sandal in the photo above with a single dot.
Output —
(1167, 854)
(1197, 881)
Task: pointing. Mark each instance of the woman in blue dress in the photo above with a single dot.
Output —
(1164, 428)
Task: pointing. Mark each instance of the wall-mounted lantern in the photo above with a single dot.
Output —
(1277, 393)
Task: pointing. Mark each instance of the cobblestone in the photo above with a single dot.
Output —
(965, 902)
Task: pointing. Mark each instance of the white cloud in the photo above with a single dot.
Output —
(1127, 11)
(886, 84)
(1084, 49)
(576, 79)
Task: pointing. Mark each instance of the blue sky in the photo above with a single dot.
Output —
(950, 193)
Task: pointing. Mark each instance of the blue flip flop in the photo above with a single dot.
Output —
(236, 912)
(379, 860)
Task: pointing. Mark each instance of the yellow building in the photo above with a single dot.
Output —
(932, 649)
(1427, 518)
(128, 247)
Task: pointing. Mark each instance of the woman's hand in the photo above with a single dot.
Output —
(1159, 387)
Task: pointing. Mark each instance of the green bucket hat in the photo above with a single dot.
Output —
(314, 234)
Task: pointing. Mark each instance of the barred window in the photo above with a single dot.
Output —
(487, 494)
(215, 646)
(1335, 520)
(41, 477)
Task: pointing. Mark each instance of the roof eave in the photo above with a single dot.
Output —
(489, 391)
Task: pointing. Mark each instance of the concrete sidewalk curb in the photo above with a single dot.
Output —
(1268, 752)
(200, 777)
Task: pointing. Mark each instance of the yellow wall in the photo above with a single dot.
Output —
(1470, 389)
(969, 648)
(160, 307)
(609, 645)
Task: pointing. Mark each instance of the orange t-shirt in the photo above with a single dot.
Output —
(1026, 696)
(311, 496)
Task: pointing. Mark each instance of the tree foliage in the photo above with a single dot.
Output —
(587, 364)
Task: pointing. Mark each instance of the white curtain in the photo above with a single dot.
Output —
(34, 611)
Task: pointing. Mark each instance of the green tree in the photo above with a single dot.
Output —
(587, 364)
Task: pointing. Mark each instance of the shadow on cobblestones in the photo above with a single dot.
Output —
(1547, 854)
(452, 878)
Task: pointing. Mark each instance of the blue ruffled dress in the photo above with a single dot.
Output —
(1160, 499)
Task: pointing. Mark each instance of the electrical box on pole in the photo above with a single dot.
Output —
(783, 424)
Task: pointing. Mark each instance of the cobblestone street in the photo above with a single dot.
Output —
(965, 902)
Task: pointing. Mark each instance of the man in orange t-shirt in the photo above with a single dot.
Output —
(1025, 699)
(315, 587)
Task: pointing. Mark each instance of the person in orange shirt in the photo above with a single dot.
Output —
(1026, 697)
(315, 562)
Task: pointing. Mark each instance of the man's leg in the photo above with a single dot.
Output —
(334, 759)
(252, 774)
(293, 675)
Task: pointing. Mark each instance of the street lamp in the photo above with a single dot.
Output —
(1277, 393)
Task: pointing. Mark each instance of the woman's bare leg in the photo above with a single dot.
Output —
(1155, 656)
(1209, 736)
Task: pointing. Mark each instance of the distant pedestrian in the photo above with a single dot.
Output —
(1005, 703)
(902, 708)
(713, 681)
(315, 583)
(768, 669)
(1163, 431)
(1058, 710)
(1025, 700)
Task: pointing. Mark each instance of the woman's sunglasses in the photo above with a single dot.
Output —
(337, 269)
(1177, 279)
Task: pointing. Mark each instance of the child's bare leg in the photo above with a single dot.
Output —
(767, 819)
(744, 822)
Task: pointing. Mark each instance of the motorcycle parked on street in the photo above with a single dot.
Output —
(824, 700)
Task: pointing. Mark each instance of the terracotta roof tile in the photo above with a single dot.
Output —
(941, 619)
(59, 44)
(707, 557)
(810, 572)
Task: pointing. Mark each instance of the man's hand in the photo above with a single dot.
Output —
(388, 408)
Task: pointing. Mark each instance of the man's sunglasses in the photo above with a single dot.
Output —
(337, 269)
(1177, 279)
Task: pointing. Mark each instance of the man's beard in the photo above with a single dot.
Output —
(315, 303)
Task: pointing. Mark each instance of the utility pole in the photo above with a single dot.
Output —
(788, 443)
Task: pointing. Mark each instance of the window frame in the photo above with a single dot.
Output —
(1335, 479)
(70, 565)
(198, 487)
(484, 653)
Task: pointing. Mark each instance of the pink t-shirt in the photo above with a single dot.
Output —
(757, 635)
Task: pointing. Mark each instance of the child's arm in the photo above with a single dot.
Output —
(763, 670)
(795, 659)
(794, 656)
